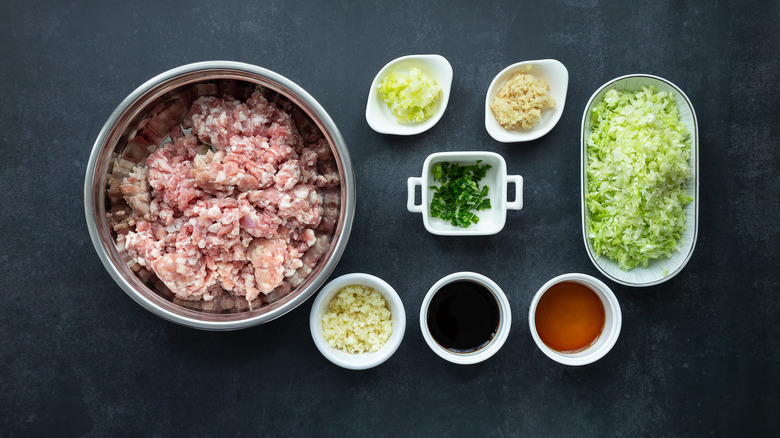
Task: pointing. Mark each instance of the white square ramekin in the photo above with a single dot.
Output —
(491, 221)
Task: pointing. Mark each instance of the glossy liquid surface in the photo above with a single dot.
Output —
(569, 317)
(463, 316)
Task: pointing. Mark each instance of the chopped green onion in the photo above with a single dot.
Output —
(459, 192)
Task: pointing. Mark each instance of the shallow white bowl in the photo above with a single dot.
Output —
(495, 344)
(657, 271)
(491, 221)
(360, 361)
(378, 114)
(613, 321)
(557, 77)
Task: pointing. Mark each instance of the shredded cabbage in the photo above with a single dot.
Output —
(637, 167)
(411, 95)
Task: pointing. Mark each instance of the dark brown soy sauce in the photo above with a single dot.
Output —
(463, 316)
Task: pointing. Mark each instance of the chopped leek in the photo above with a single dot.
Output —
(410, 95)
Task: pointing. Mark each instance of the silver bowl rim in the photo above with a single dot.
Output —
(346, 216)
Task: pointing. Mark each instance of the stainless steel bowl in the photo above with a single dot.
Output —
(158, 101)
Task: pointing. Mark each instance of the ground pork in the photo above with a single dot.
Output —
(231, 205)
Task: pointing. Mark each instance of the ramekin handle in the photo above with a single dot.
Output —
(517, 204)
(410, 205)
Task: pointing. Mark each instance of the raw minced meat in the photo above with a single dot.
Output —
(231, 207)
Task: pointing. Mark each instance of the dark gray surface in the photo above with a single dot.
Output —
(698, 355)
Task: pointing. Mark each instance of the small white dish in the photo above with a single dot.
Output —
(657, 271)
(491, 221)
(366, 360)
(496, 342)
(557, 77)
(613, 321)
(378, 114)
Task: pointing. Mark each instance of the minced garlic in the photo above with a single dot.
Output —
(358, 320)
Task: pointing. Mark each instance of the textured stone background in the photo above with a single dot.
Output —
(698, 355)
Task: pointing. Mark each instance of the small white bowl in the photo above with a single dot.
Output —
(378, 114)
(491, 221)
(657, 271)
(557, 77)
(612, 323)
(495, 344)
(366, 360)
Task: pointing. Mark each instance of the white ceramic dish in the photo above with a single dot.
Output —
(657, 271)
(557, 77)
(613, 321)
(360, 361)
(491, 221)
(495, 344)
(379, 116)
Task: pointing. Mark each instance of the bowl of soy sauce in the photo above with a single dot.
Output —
(465, 318)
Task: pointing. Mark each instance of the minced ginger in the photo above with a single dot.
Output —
(520, 101)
